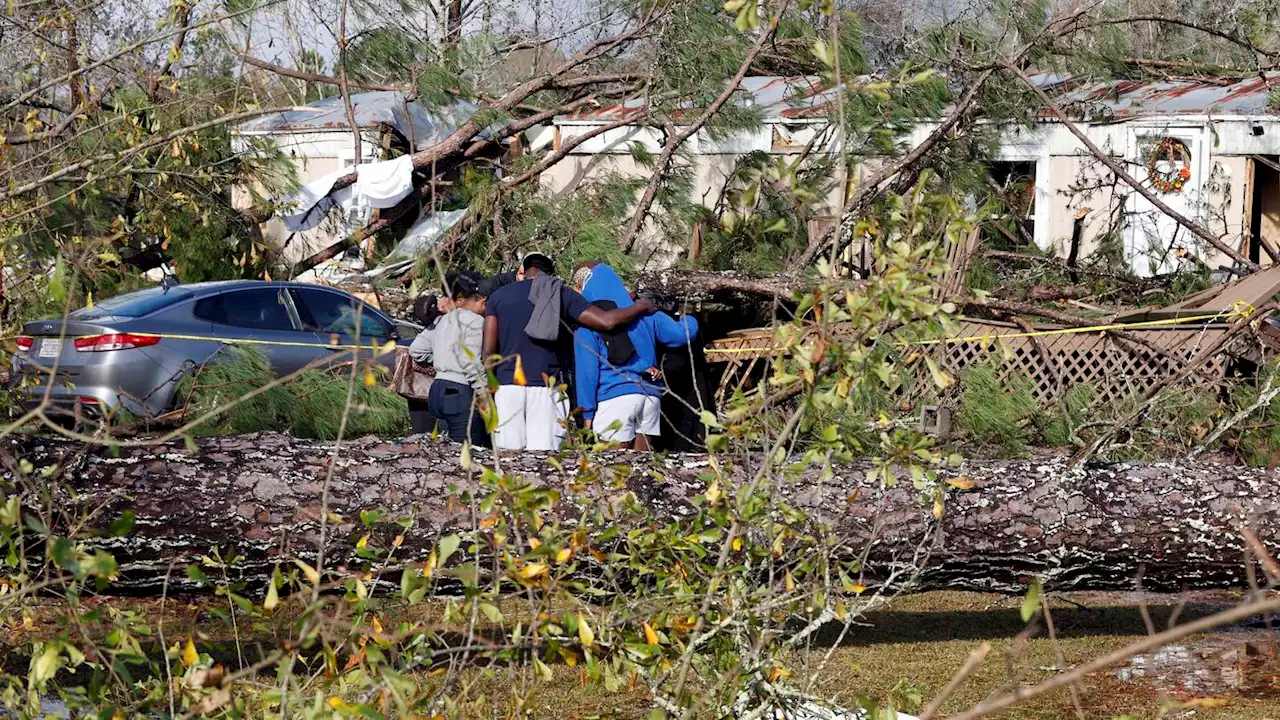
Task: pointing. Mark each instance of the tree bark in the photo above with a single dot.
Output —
(1094, 526)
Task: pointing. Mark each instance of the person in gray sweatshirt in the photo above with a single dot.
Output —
(453, 347)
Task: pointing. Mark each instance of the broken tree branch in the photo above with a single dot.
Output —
(676, 138)
(1152, 393)
(317, 78)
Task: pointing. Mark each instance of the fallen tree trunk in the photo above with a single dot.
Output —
(1093, 527)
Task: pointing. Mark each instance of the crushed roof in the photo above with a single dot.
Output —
(410, 118)
(1126, 99)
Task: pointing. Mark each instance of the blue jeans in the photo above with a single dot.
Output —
(450, 403)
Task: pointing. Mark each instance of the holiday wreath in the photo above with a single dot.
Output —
(1176, 170)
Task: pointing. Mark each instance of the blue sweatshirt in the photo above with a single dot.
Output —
(595, 379)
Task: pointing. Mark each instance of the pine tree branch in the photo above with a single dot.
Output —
(316, 77)
(676, 139)
(73, 168)
(565, 148)
(467, 131)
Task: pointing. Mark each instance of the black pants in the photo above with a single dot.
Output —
(420, 418)
(450, 404)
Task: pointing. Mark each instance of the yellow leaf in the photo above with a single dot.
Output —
(937, 506)
(534, 543)
(1208, 702)
(856, 588)
(312, 576)
(585, 633)
(961, 483)
(189, 655)
(650, 635)
(336, 703)
(518, 376)
(377, 626)
(737, 544)
(273, 597)
(363, 542)
(369, 378)
(532, 570)
(89, 301)
(790, 581)
(431, 565)
(714, 493)
(564, 555)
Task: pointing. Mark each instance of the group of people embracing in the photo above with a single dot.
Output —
(587, 340)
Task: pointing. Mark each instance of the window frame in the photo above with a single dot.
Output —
(290, 310)
(368, 311)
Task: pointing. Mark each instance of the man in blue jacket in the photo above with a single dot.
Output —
(616, 372)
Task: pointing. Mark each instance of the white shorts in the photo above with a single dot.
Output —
(530, 418)
(620, 419)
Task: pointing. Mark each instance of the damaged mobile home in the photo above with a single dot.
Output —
(1209, 148)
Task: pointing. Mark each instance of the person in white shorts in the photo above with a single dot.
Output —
(530, 401)
(615, 373)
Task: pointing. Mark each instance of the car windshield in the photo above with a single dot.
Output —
(134, 304)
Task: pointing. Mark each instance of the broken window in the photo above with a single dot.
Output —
(1011, 221)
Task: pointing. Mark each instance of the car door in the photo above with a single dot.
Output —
(337, 318)
(266, 316)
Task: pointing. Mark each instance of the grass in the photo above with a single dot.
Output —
(921, 638)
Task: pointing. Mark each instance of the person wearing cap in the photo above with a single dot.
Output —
(529, 324)
(454, 348)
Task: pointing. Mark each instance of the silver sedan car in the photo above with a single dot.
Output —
(130, 352)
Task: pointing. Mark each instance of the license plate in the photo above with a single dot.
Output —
(50, 348)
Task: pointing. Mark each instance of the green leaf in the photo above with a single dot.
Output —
(58, 282)
(448, 546)
(544, 670)
(940, 378)
(122, 525)
(492, 612)
(709, 419)
(408, 579)
(779, 225)
(43, 669)
(370, 517)
(1031, 603)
